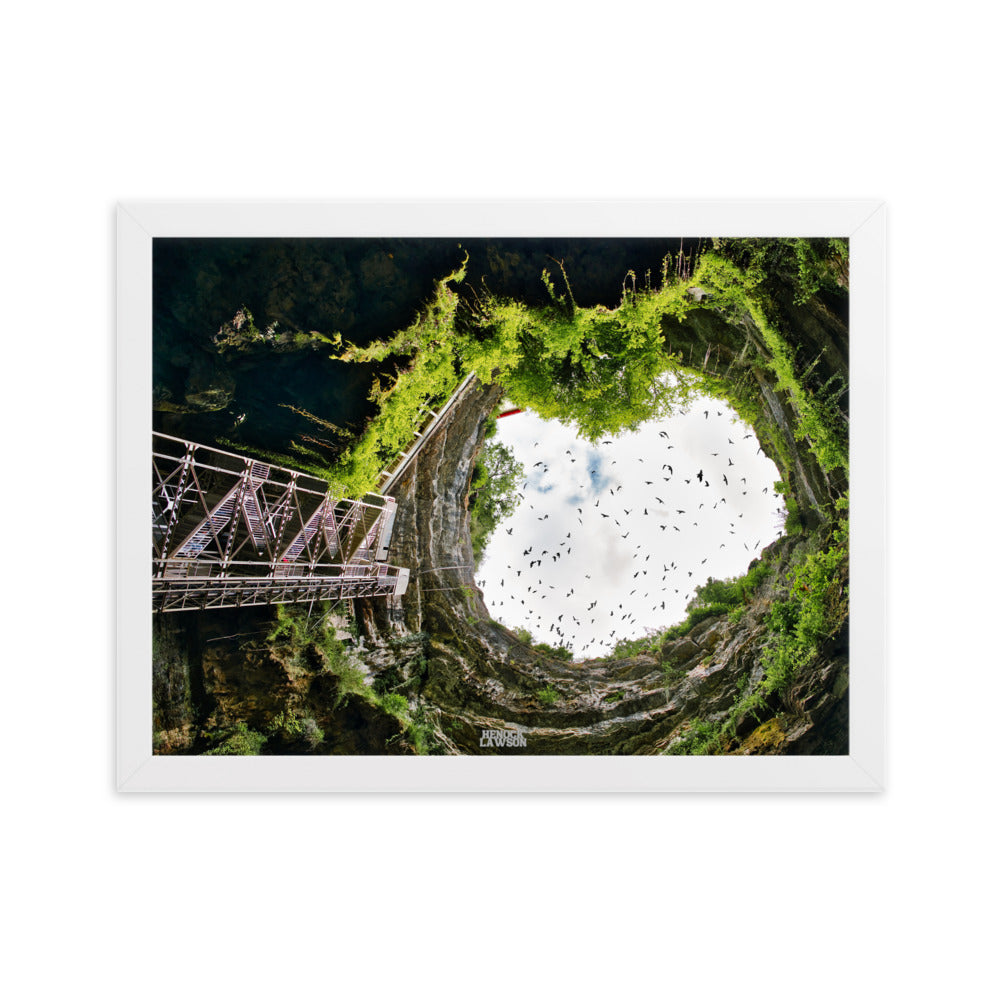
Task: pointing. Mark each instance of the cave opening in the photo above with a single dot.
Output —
(749, 322)
(610, 541)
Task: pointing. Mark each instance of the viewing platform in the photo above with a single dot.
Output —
(230, 531)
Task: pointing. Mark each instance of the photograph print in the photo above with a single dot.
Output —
(500, 496)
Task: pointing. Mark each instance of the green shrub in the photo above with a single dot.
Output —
(816, 606)
(294, 729)
(494, 493)
(605, 370)
(644, 645)
(556, 652)
(238, 740)
(695, 617)
(702, 737)
(548, 695)
(672, 673)
(396, 705)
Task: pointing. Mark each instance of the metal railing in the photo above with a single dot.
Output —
(392, 473)
(230, 530)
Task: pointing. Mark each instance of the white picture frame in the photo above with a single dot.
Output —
(861, 770)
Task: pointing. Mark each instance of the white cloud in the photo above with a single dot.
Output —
(603, 521)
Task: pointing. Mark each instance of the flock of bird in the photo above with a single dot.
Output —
(623, 579)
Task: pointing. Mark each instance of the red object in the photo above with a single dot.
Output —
(508, 413)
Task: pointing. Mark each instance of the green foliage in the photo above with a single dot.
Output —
(429, 379)
(695, 616)
(702, 737)
(738, 291)
(292, 627)
(672, 672)
(816, 606)
(814, 609)
(396, 704)
(716, 598)
(563, 653)
(548, 695)
(422, 734)
(497, 479)
(640, 646)
(302, 639)
(810, 265)
(793, 515)
(556, 652)
(290, 728)
(598, 368)
(754, 702)
(237, 740)
(295, 633)
(820, 264)
(735, 590)
(604, 370)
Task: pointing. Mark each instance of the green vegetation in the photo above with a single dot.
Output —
(308, 643)
(718, 597)
(645, 645)
(811, 266)
(237, 741)
(815, 608)
(604, 370)
(701, 737)
(497, 479)
(672, 673)
(608, 370)
(598, 368)
(712, 599)
(428, 378)
(242, 331)
(297, 635)
(556, 652)
(740, 293)
(549, 695)
(292, 730)
(793, 516)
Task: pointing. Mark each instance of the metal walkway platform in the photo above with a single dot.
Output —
(231, 531)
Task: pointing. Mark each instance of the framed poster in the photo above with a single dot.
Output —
(550, 496)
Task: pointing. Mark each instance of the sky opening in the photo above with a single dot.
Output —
(611, 539)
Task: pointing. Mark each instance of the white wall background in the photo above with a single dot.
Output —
(819, 896)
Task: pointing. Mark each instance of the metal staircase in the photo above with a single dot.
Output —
(231, 531)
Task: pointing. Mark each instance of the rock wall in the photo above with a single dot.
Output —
(465, 673)
(476, 675)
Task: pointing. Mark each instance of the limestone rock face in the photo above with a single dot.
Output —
(479, 676)
(212, 672)
(468, 673)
